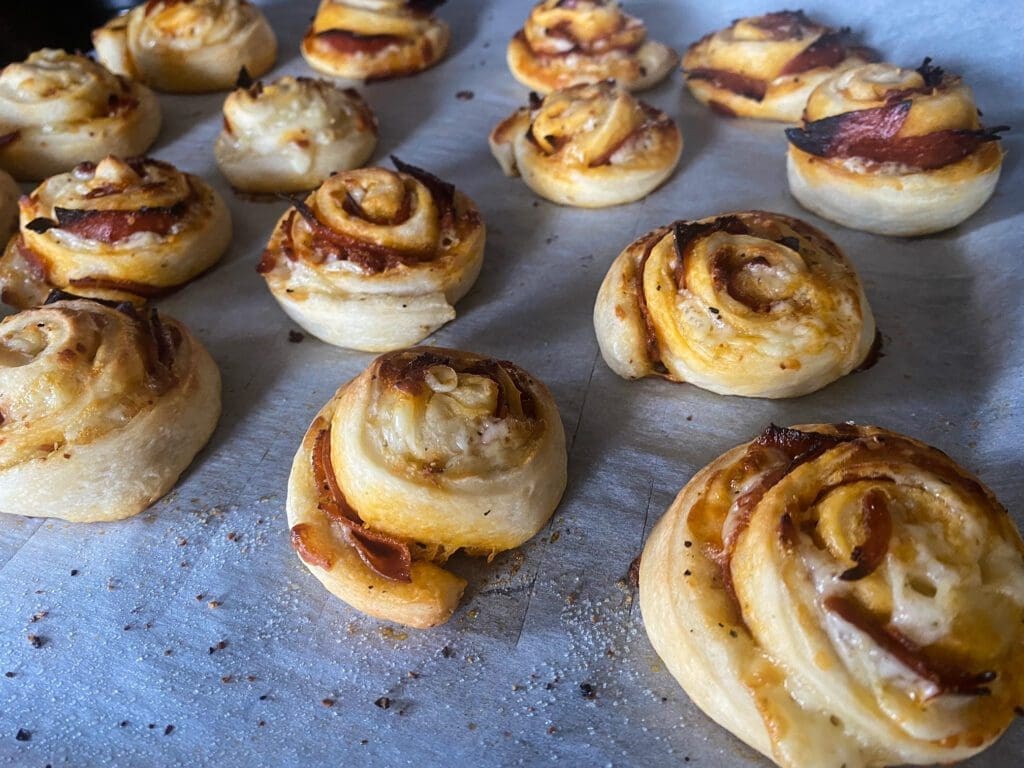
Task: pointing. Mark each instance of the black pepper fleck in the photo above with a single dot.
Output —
(588, 691)
(296, 337)
(23, 735)
(168, 730)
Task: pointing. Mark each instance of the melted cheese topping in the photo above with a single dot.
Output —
(752, 49)
(52, 88)
(595, 26)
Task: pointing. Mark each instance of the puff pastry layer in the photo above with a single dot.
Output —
(893, 151)
(766, 66)
(102, 409)
(836, 594)
(586, 41)
(375, 259)
(753, 303)
(291, 134)
(589, 146)
(375, 39)
(427, 452)
(188, 46)
(124, 230)
(59, 109)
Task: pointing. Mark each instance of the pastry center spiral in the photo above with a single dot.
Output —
(53, 86)
(591, 26)
(189, 24)
(460, 418)
(586, 121)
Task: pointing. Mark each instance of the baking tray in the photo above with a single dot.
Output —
(192, 634)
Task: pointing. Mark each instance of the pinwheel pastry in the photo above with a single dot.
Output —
(755, 304)
(766, 66)
(589, 146)
(188, 46)
(59, 109)
(894, 151)
(841, 595)
(568, 42)
(375, 39)
(428, 452)
(9, 194)
(102, 408)
(124, 230)
(292, 134)
(375, 259)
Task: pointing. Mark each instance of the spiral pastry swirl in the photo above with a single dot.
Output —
(375, 259)
(589, 146)
(569, 42)
(427, 452)
(894, 151)
(375, 39)
(188, 46)
(754, 304)
(837, 594)
(290, 135)
(124, 230)
(766, 66)
(58, 109)
(101, 409)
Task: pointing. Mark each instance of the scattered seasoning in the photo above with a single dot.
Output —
(220, 646)
(74, 571)
(464, 95)
(168, 730)
(383, 702)
(23, 735)
(327, 702)
(168, 652)
(686, 572)
(214, 604)
(151, 726)
(227, 679)
(123, 724)
(264, 696)
(250, 678)
(38, 615)
(182, 542)
(261, 723)
(588, 691)
(471, 726)
(689, 418)
(447, 652)
(552, 730)
(687, 544)
(1018, 711)
(296, 337)
(200, 597)
(8, 674)
(732, 633)
(232, 536)
(36, 641)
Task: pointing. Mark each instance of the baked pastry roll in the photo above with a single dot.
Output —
(586, 41)
(188, 46)
(102, 408)
(292, 134)
(754, 304)
(375, 39)
(841, 595)
(893, 151)
(589, 146)
(428, 452)
(766, 66)
(9, 194)
(375, 259)
(124, 230)
(58, 109)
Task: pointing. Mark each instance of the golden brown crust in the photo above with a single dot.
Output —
(427, 452)
(829, 593)
(117, 229)
(375, 259)
(565, 44)
(378, 40)
(751, 303)
(766, 66)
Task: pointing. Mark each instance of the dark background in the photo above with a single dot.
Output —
(27, 26)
